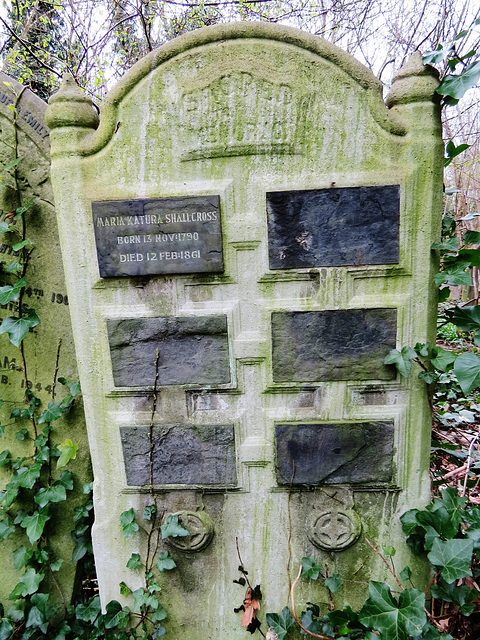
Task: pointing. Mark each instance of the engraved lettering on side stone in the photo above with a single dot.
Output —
(334, 530)
(333, 227)
(265, 117)
(326, 453)
(182, 455)
(346, 344)
(191, 350)
(158, 236)
(201, 530)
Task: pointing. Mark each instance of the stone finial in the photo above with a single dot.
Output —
(414, 82)
(70, 107)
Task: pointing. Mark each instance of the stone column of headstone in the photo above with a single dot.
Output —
(46, 293)
(249, 209)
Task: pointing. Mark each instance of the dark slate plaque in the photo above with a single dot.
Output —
(333, 227)
(182, 454)
(348, 344)
(334, 453)
(191, 350)
(158, 236)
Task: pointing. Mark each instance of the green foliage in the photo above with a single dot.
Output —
(172, 528)
(281, 622)
(448, 531)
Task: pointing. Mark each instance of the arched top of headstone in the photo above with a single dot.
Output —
(279, 50)
(30, 109)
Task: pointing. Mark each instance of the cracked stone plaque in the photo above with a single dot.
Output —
(356, 452)
(333, 227)
(181, 454)
(158, 236)
(191, 350)
(345, 344)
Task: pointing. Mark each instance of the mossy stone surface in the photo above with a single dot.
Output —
(239, 111)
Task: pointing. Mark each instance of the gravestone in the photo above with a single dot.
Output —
(46, 293)
(276, 417)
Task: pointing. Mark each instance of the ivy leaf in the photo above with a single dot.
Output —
(55, 493)
(310, 623)
(394, 621)
(90, 611)
(124, 589)
(471, 237)
(13, 267)
(21, 556)
(66, 479)
(35, 524)
(462, 596)
(450, 245)
(281, 622)
(53, 412)
(172, 528)
(134, 562)
(69, 452)
(310, 569)
(116, 616)
(159, 615)
(467, 370)
(17, 328)
(454, 275)
(11, 292)
(402, 360)
(20, 245)
(26, 476)
(452, 152)
(55, 566)
(74, 387)
(30, 582)
(165, 562)
(333, 583)
(466, 318)
(443, 359)
(405, 574)
(129, 526)
(149, 511)
(6, 528)
(453, 557)
(457, 85)
(6, 629)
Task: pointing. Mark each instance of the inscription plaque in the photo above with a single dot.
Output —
(328, 453)
(182, 454)
(158, 236)
(347, 344)
(191, 350)
(333, 227)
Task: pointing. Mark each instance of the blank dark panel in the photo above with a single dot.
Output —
(318, 346)
(191, 350)
(357, 452)
(181, 454)
(333, 227)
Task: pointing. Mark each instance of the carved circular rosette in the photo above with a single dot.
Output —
(334, 530)
(199, 525)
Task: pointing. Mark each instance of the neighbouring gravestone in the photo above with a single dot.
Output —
(249, 225)
(46, 294)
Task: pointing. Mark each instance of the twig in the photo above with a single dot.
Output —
(455, 472)
(386, 564)
(242, 569)
(469, 463)
(150, 461)
(292, 597)
(290, 529)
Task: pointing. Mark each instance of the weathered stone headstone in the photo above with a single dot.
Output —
(273, 395)
(46, 293)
